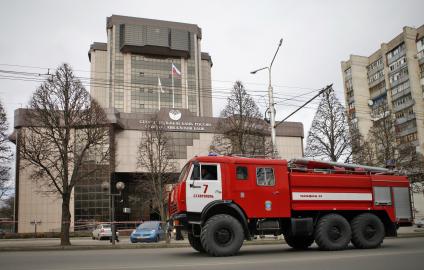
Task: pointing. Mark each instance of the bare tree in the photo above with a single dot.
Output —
(65, 130)
(5, 154)
(155, 158)
(329, 138)
(362, 150)
(384, 147)
(382, 135)
(241, 129)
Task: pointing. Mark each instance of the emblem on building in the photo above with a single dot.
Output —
(175, 115)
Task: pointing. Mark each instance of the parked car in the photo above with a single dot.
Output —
(103, 231)
(419, 222)
(148, 231)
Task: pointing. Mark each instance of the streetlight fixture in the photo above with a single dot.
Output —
(271, 101)
(119, 186)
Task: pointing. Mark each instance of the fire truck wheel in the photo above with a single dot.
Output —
(332, 232)
(367, 231)
(195, 243)
(299, 242)
(222, 235)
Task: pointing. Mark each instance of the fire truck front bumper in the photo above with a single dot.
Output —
(180, 220)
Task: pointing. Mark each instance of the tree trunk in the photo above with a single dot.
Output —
(66, 221)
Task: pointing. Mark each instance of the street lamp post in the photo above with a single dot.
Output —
(106, 187)
(271, 102)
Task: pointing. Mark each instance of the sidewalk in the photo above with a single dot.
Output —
(86, 243)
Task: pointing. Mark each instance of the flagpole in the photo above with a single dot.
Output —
(186, 79)
(172, 78)
(159, 89)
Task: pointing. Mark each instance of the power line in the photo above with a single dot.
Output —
(112, 74)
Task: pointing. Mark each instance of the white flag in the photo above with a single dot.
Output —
(160, 86)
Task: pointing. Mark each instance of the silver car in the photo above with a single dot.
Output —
(419, 222)
(103, 231)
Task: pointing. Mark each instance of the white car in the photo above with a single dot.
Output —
(103, 231)
(419, 222)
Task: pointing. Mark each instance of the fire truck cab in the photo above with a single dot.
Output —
(221, 201)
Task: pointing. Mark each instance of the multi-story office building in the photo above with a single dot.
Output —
(132, 78)
(150, 64)
(389, 83)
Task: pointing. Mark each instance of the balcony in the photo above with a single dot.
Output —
(396, 57)
(397, 68)
(401, 94)
(378, 116)
(374, 83)
(406, 131)
(405, 105)
(377, 93)
(401, 80)
(404, 119)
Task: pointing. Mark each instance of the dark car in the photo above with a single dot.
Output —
(148, 231)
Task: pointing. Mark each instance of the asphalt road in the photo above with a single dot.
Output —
(400, 253)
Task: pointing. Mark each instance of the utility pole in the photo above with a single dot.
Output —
(271, 103)
(325, 89)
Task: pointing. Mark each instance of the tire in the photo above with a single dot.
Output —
(222, 235)
(157, 239)
(195, 243)
(367, 231)
(94, 238)
(299, 242)
(332, 232)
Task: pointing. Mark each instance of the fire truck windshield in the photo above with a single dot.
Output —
(184, 173)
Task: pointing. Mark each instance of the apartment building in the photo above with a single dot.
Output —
(389, 83)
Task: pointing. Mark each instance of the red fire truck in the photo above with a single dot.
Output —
(221, 201)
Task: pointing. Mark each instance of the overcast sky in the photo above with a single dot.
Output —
(239, 35)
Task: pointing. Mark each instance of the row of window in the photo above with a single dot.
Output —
(405, 126)
(397, 64)
(398, 75)
(402, 100)
(409, 111)
(378, 89)
(376, 76)
(375, 65)
(407, 138)
(399, 88)
(399, 49)
(264, 175)
(420, 45)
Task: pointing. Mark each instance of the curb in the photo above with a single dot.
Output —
(154, 246)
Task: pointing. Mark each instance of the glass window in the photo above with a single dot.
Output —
(241, 173)
(265, 177)
(204, 172)
(209, 172)
(195, 175)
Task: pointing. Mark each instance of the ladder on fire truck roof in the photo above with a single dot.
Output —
(302, 164)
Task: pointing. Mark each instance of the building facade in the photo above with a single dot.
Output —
(149, 64)
(148, 69)
(190, 135)
(389, 83)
